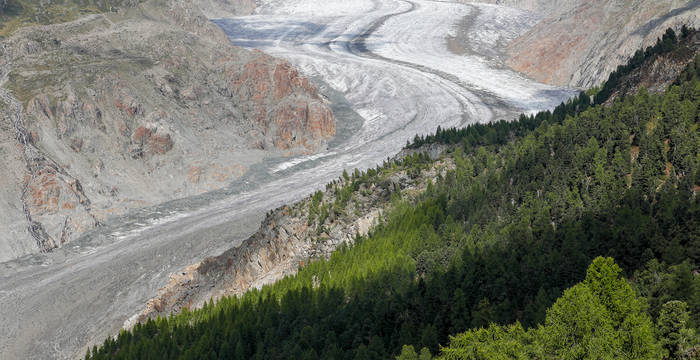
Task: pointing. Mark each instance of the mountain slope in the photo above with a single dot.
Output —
(577, 43)
(122, 110)
(655, 68)
(528, 207)
(15, 14)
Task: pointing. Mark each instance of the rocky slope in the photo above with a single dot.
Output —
(578, 43)
(291, 236)
(659, 71)
(15, 14)
(132, 108)
(226, 8)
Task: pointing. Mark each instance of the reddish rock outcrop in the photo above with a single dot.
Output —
(271, 88)
(149, 142)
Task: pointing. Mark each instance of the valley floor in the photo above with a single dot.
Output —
(390, 63)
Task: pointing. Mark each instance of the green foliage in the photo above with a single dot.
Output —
(599, 318)
(316, 199)
(528, 207)
(494, 343)
(409, 353)
(660, 283)
(676, 337)
(425, 354)
(690, 73)
(578, 326)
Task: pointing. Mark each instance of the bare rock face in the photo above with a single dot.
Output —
(578, 43)
(58, 207)
(134, 108)
(285, 120)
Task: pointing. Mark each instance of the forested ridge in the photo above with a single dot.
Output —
(500, 258)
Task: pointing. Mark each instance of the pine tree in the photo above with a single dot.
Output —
(672, 326)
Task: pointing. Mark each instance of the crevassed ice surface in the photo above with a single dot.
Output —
(387, 68)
